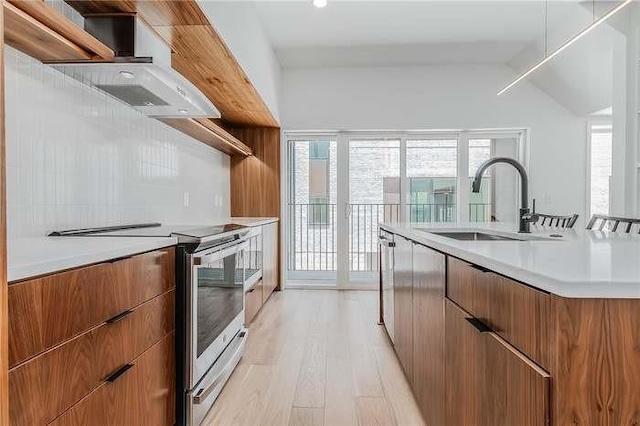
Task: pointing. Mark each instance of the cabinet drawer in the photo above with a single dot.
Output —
(46, 311)
(143, 395)
(517, 313)
(44, 387)
(488, 381)
(252, 302)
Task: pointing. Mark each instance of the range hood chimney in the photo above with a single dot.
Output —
(141, 75)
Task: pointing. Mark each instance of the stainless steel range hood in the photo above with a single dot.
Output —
(141, 75)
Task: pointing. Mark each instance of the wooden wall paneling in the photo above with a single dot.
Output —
(51, 18)
(4, 319)
(255, 181)
(596, 370)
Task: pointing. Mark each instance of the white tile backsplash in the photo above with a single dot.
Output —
(79, 158)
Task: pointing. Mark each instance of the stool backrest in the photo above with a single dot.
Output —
(601, 222)
(556, 220)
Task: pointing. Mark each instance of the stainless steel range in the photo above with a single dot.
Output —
(210, 281)
(210, 273)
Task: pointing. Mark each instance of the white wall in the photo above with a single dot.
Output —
(78, 158)
(238, 24)
(446, 97)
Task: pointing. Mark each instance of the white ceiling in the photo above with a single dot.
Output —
(362, 32)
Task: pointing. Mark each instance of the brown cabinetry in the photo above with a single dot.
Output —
(256, 296)
(488, 381)
(74, 332)
(428, 332)
(270, 259)
(143, 393)
(513, 354)
(46, 311)
(516, 312)
(252, 302)
(403, 304)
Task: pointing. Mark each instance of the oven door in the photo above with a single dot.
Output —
(216, 311)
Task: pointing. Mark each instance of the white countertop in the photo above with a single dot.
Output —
(584, 264)
(31, 257)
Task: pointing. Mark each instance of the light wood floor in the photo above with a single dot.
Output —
(317, 358)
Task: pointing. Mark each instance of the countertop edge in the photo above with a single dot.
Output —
(554, 286)
(33, 270)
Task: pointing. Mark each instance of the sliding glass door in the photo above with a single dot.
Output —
(342, 185)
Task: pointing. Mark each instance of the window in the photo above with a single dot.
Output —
(431, 174)
(319, 171)
(479, 203)
(600, 167)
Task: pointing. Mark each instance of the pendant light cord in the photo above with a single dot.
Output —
(546, 26)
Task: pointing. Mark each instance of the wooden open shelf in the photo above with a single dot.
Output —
(207, 131)
(40, 31)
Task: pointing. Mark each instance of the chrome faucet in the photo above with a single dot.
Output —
(526, 217)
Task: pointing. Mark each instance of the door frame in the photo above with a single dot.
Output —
(342, 278)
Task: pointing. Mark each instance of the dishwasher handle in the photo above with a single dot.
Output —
(384, 241)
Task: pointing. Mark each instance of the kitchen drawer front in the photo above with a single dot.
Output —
(142, 395)
(517, 313)
(46, 311)
(252, 302)
(44, 387)
(270, 259)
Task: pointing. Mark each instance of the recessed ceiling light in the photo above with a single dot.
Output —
(183, 111)
(127, 74)
(319, 3)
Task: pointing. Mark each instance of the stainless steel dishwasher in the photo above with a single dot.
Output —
(386, 244)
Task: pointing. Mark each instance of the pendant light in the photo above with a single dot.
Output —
(560, 49)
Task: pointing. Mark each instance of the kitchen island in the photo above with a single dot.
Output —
(533, 329)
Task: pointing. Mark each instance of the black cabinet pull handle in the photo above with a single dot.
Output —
(120, 316)
(479, 325)
(251, 290)
(119, 372)
(480, 268)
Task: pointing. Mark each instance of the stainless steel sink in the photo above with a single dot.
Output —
(474, 236)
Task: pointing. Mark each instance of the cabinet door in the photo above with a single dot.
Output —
(403, 296)
(464, 369)
(252, 302)
(516, 389)
(270, 259)
(488, 381)
(428, 332)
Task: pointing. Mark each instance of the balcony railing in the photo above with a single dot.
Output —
(313, 231)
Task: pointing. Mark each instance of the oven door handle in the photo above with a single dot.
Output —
(203, 259)
(208, 387)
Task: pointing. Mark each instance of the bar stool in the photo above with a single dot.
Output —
(601, 222)
(556, 220)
